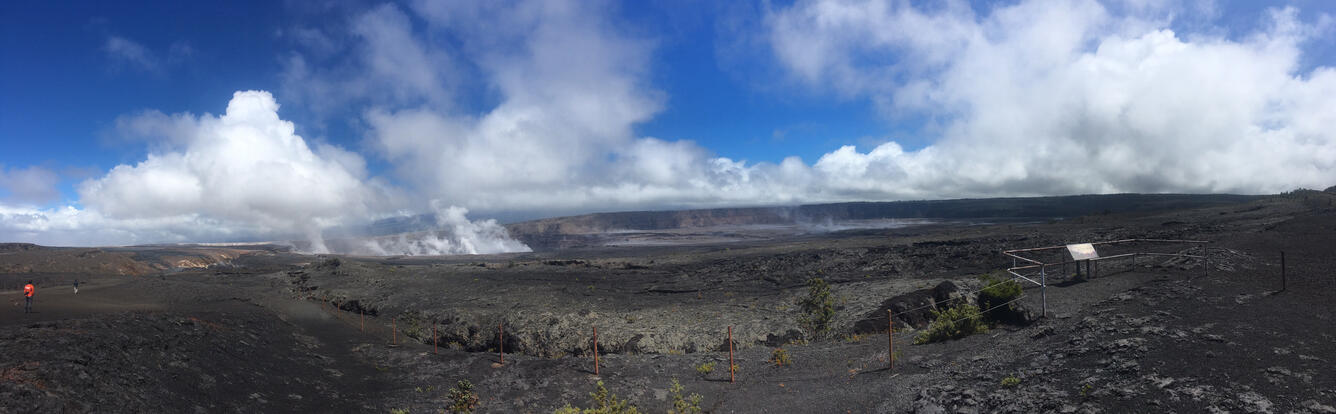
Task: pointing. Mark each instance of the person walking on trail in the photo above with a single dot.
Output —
(76, 286)
(28, 291)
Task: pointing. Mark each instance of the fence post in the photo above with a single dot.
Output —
(890, 339)
(501, 342)
(1043, 291)
(596, 351)
(1205, 262)
(731, 374)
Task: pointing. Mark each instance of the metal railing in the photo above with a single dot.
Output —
(1091, 269)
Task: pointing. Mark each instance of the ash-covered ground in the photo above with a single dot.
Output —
(261, 329)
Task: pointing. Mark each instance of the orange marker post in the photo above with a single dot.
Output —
(595, 351)
(501, 342)
(890, 339)
(731, 375)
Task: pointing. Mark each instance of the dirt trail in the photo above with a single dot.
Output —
(60, 302)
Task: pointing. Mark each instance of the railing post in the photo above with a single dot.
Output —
(1043, 291)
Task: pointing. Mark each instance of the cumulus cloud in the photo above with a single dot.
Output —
(243, 174)
(1047, 97)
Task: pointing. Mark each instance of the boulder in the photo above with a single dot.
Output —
(912, 309)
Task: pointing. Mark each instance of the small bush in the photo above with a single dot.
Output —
(854, 338)
(684, 405)
(604, 403)
(462, 398)
(818, 309)
(952, 323)
(997, 291)
(780, 357)
(1010, 382)
(705, 369)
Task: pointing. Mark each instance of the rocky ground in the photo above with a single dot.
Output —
(270, 331)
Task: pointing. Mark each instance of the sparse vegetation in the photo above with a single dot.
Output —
(854, 338)
(684, 405)
(604, 403)
(705, 369)
(999, 290)
(398, 411)
(1011, 382)
(952, 323)
(462, 398)
(780, 357)
(818, 309)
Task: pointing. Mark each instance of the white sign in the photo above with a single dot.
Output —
(1082, 251)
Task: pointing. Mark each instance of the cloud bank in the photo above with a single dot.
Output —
(243, 174)
(531, 106)
(1066, 97)
(1040, 97)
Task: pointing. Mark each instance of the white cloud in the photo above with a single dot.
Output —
(1041, 97)
(531, 106)
(130, 52)
(244, 174)
(32, 185)
(1048, 97)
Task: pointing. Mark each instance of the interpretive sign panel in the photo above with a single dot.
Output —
(1082, 251)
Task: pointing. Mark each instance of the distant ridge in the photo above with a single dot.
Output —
(1015, 207)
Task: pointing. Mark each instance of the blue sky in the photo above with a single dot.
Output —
(65, 90)
(531, 108)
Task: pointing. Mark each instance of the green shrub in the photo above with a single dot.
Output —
(604, 403)
(952, 323)
(705, 369)
(818, 308)
(1010, 382)
(461, 397)
(997, 291)
(780, 357)
(684, 405)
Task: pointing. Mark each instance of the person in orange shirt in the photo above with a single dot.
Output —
(28, 291)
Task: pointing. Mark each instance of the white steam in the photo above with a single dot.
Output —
(455, 234)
